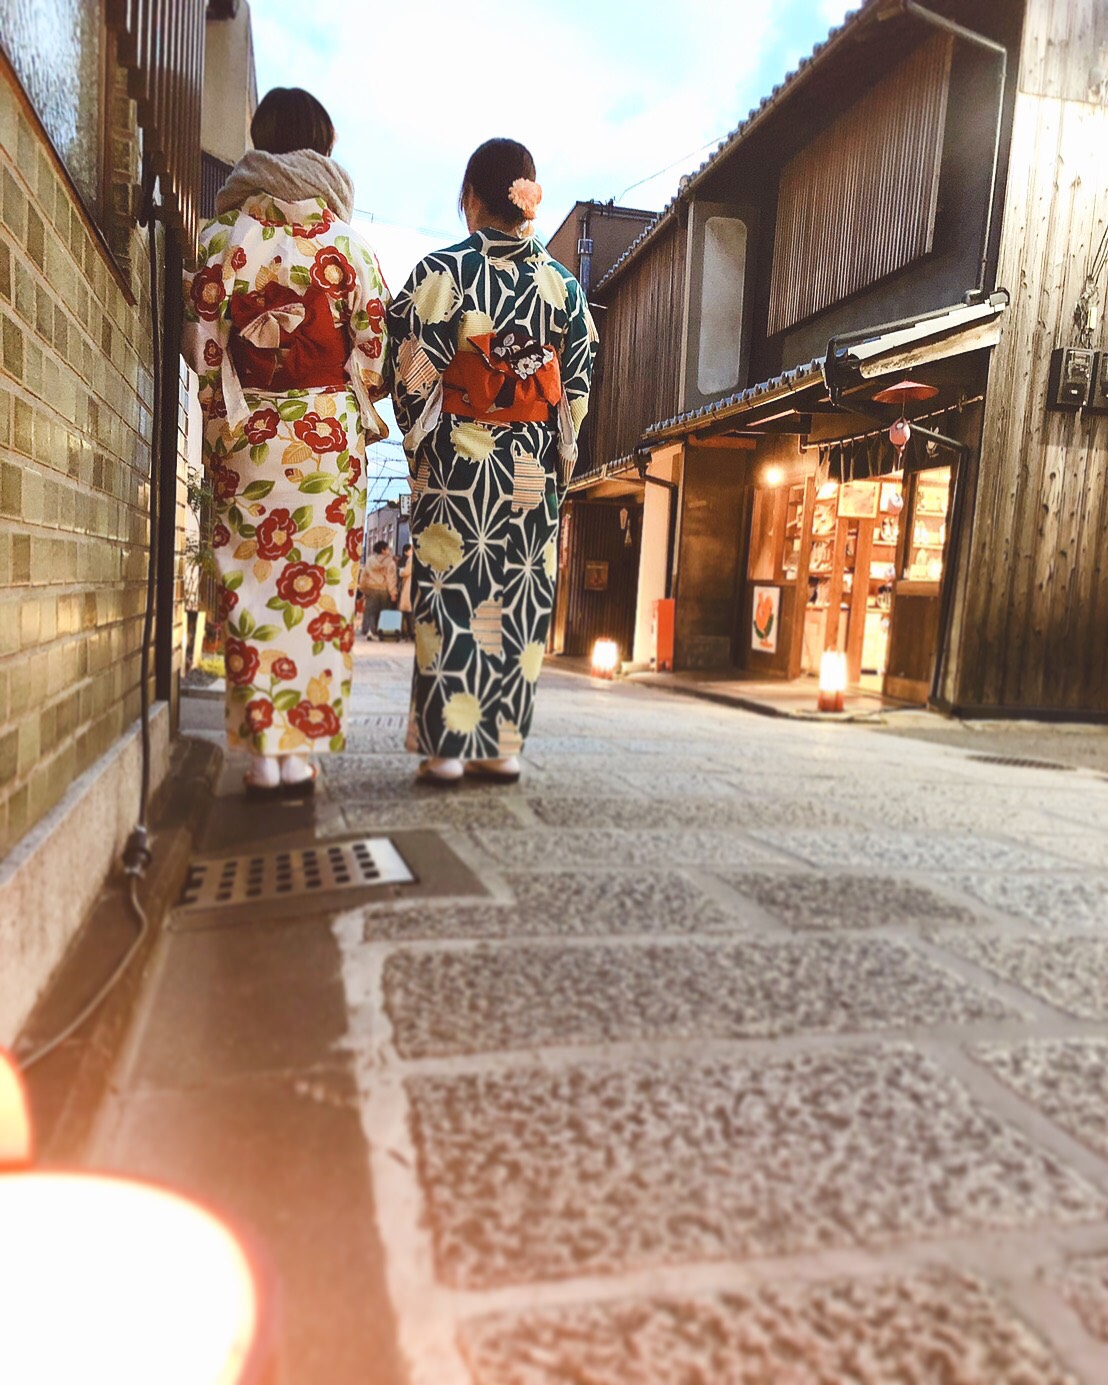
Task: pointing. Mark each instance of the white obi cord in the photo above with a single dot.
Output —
(426, 423)
(567, 441)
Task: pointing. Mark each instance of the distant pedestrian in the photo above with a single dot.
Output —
(379, 587)
(492, 355)
(285, 325)
(407, 629)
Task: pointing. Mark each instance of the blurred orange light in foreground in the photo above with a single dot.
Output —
(106, 1280)
(16, 1142)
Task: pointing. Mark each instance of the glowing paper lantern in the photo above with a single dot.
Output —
(605, 659)
(832, 681)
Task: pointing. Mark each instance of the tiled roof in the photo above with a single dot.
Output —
(789, 380)
(601, 472)
(868, 346)
(736, 135)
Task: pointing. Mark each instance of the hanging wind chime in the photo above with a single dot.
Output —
(900, 433)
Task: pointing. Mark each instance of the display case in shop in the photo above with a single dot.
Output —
(928, 519)
(882, 576)
(793, 544)
(851, 548)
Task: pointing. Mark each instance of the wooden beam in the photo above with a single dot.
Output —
(794, 423)
(722, 440)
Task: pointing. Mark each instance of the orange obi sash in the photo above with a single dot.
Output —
(506, 378)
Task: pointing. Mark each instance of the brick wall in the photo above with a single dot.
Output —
(76, 394)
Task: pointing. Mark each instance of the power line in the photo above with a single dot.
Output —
(650, 177)
(434, 232)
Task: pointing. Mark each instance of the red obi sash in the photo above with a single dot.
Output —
(506, 378)
(283, 340)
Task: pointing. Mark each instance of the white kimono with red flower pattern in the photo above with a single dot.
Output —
(287, 290)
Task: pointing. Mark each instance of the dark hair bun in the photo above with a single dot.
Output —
(491, 171)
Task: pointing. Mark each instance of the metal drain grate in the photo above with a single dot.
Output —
(1015, 762)
(256, 879)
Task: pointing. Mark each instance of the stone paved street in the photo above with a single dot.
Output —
(772, 1053)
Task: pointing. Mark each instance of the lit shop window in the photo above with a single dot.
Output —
(927, 541)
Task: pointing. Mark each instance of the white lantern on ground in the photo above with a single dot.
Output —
(605, 659)
(832, 681)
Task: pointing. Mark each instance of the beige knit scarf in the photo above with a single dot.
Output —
(288, 178)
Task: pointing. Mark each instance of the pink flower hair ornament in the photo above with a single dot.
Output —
(525, 195)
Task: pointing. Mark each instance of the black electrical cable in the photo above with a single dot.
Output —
(44, 1050)
(152, 555)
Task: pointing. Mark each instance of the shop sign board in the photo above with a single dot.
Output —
(766, 619)
(596, 577)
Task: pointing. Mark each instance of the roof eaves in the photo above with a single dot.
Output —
(737, 135)
(618, 466)
(865, 353)
(788, 382)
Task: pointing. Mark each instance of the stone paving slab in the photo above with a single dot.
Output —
(618, 902)
(671, 810)
(1083, 1283)
(1067, 1079)
(836, 902)
(1088, 849)
(1069, 973)
(566, 849)
(432, 808)
(1048, 900)
(686, 779)
(905, 851)
(369, 776)
(932, 1328)
(943, 810)
(361, 740)
(540, 746)
(477, 1001)
(536, 1174)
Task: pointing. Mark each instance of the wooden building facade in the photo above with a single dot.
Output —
(920, 203)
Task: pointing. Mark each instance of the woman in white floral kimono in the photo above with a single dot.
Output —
(493, 346)
(285, 325)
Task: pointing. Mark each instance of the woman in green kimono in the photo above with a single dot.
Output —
(492, 348)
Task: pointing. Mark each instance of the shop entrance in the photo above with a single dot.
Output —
(857, 567)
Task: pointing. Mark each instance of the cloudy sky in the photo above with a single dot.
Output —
(605, 93)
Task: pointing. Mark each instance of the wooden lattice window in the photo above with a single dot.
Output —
(858, 203)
